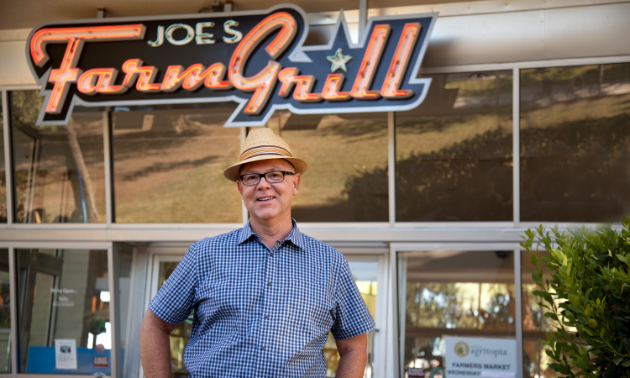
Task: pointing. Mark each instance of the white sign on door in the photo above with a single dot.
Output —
(65, 354)
(480, 357)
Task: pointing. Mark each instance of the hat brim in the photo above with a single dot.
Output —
(233, 172)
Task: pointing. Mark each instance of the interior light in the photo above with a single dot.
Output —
(104, 296)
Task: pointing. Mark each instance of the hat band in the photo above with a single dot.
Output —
(264, 150)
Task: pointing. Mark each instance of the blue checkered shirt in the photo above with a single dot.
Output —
(262, 312)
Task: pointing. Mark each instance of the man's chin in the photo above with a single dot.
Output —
(264, 215)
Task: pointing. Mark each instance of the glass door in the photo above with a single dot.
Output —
(163, 266)
(457, 308)
(369, 272)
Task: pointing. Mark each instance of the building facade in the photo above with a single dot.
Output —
(526, 122)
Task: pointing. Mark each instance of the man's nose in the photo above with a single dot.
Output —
(263, 184)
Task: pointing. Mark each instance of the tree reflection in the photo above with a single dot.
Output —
(461, 305)
(575, 143)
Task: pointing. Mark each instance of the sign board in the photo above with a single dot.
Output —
(256, 59)
(480, 357)
(101, 362)
(65, 354)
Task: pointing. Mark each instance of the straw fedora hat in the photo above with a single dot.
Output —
(264, 144)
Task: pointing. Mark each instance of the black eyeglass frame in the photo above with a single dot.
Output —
(261, 175)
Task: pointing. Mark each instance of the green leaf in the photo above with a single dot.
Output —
(618, 360)
(534, 259)
(536, 277)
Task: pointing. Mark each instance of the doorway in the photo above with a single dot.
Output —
(369, 266)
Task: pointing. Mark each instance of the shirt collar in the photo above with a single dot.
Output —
(295, 236)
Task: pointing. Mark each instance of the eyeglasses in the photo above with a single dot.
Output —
(273, 177)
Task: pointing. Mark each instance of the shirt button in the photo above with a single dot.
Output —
(266, 316)
(262, 348)
(269, 283)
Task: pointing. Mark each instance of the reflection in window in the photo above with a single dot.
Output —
(63, 295)
(5, 313)
(452, 293)
(454, 152)
(169, 162)
(59, 172)
(535, 324)
(347, 176)
(575, 143)
(3, 182)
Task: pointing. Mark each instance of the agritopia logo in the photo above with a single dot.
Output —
(256, 59)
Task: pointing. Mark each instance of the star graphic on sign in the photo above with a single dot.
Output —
(338, 61)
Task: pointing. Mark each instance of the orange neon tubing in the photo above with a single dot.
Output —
(103, 33)
(370, 61)
(400, 61)
(263, 82)
(332, 85)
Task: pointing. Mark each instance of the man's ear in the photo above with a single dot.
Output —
(296, 183)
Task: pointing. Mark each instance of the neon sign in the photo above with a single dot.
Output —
(255, 59)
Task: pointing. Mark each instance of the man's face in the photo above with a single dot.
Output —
(265, 201)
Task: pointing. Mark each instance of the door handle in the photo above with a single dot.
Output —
(371, 354)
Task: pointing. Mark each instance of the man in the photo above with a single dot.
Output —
(264, 296)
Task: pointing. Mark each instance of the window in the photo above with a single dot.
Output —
(454, 152)
(64, 309)
(169, 162)
(59, 172)
(575, 143)
(347, 176)
(453, 294)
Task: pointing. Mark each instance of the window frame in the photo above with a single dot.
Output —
(115, 364)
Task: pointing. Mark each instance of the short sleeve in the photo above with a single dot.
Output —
(176, 298)
(352, 317)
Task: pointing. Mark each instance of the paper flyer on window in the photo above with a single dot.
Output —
(65, 354)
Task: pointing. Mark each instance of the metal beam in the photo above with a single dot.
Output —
(391, 165)
(109, 168)
(114, 310)
(14, 304)
(363, 8)
(519, 311)
(516, 155)
(8, 158)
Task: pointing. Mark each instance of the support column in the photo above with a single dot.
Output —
(363, 7)
(516, 148)
(114, 310)
(391, 165)
(8, 156)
